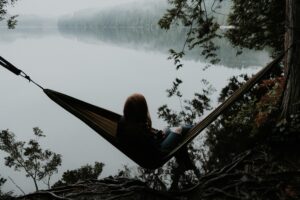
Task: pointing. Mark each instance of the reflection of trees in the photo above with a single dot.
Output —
(8, 36)
(155, 39)
(135, 25)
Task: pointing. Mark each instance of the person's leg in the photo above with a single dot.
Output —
(173, 137)
(182, 156)
(170, 141)
(185, 129)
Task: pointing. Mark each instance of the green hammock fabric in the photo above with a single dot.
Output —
(104, 122)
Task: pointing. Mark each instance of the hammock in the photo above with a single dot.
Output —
(104, 122)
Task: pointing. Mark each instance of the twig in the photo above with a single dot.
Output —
(16, 185)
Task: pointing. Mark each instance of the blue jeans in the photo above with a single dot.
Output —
(172, 138)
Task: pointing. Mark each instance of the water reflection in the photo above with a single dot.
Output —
(155, 39)
(36, 32)
(139, 38)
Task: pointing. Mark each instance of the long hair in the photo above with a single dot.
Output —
(136, 109)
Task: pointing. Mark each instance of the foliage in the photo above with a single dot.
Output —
(243, 125)
(126, 172)
(83, 173)
(11, 21)
(200, 19)
(177, 174)
(191, 110)
(37, 163)
(254, 174)
(202, 27)
(155, 179)
(169, 177)
(246, 122)
(3, 195)
(2, 181)
(261, 25)
(254, 25)
(258, 26)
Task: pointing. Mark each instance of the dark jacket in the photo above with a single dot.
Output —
(139, 140)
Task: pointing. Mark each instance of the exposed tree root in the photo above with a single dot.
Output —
(251, 175)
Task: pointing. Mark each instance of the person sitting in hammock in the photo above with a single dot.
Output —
(135, 133)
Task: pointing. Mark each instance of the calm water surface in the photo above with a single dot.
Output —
(95, 69)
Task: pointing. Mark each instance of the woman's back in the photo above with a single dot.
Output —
(138, 139)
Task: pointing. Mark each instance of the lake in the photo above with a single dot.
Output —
(102, 67)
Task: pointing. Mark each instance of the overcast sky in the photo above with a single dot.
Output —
(59, 7)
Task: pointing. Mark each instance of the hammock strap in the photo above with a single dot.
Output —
(238, 93)
(228, 102)
(17, 71)
(9, 66)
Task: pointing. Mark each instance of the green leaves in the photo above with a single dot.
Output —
(175, 88)
(38, 132)
(86, 172)
(176, 56)
(258, 24)
(170, 116)
(177, 12)
(37, 163)
(190, 109)
(2, 181)
(4, 195)
(202, 28)
(11, 21)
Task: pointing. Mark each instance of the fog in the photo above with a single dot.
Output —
(55, 8)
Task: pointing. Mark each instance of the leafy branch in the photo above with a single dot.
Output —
(38, 164)
(12, 20)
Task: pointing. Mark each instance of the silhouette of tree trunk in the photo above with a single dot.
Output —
(291, 100)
